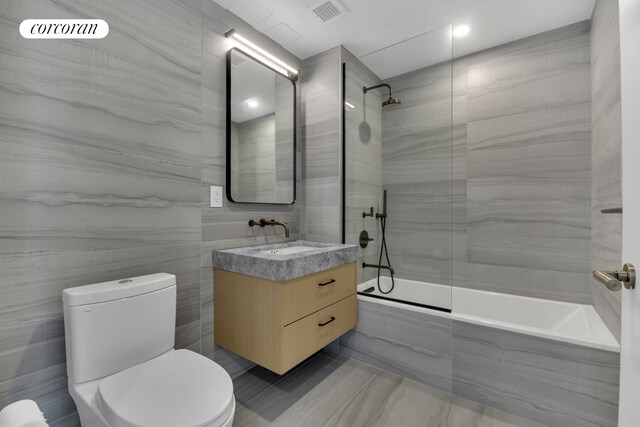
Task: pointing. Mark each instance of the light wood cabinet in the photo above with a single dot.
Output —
(279, 324)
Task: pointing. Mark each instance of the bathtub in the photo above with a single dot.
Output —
(555, 320)
(552, 362)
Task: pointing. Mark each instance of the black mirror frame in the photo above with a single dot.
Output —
(228, 129)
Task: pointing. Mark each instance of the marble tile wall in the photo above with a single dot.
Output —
(556, 384)
(528, 165)
(322, 153)
(521, 224)
(551, 382)
(520, 163)
(109, 147)
(459, 174)
(410, 343)
(227, 227)
(285, 121)
(606, 162)
(416, 172)
(257, 159)
(363, 174)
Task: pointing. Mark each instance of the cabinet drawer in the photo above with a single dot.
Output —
(309, 294)
(308, 335)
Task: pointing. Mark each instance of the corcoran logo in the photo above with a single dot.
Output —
(64, 29)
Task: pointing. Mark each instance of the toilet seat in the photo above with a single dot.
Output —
(178, 388)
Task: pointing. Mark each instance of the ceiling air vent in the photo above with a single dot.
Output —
(329, 11)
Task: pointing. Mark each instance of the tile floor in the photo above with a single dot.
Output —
(330, 390)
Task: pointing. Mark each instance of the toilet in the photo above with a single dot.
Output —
(122, 368)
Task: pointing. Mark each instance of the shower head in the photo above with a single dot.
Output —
(390, 101)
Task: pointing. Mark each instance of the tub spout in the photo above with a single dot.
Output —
(385, 267)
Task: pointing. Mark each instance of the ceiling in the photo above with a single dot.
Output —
(251, 81)
(366, 26)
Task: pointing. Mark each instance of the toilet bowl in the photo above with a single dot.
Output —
(178, 388)
(122, 368)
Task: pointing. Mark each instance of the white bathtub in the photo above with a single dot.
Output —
(561, 321)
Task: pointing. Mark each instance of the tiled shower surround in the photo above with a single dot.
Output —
(521, 163)
(529, 178)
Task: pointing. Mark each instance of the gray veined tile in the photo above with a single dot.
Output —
(47, 387)
(606, 187)
(106, 155)
(318, 394)
(390, 400)
(307, 396)
(232, 363)
(72, 420)
(409, 343)
(252, 383)
(555, 383)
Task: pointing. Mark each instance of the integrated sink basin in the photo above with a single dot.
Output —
(284, 261)
(289, 250)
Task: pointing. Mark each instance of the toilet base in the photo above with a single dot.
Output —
(84, 396)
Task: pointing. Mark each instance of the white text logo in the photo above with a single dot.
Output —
(64, 29)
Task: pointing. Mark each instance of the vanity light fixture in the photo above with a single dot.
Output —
(263, 56)
(461, 31)
(252, 103)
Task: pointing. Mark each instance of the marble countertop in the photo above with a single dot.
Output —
(259, 261)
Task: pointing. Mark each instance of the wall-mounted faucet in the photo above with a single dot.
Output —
(263, 222)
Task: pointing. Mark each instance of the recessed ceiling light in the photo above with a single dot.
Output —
(461, 30)
(252, 103)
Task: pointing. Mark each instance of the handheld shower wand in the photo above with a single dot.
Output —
(383, 248)
(384, 206)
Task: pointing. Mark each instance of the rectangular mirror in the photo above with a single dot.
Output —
(261, 132)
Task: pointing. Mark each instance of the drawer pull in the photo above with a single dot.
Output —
(327, 283)
(327, 322)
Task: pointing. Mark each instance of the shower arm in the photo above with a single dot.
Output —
(366, 89)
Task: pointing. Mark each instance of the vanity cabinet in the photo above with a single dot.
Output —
(279, 324)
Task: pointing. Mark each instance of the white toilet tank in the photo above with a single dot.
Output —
(112, 326)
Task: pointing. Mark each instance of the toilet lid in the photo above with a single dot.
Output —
(178, 388)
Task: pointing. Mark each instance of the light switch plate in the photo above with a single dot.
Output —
(216, 196)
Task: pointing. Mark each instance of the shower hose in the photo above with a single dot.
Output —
(383, 248)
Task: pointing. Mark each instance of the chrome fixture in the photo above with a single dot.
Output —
(614, 280)
(389, 101)
(263, 223)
